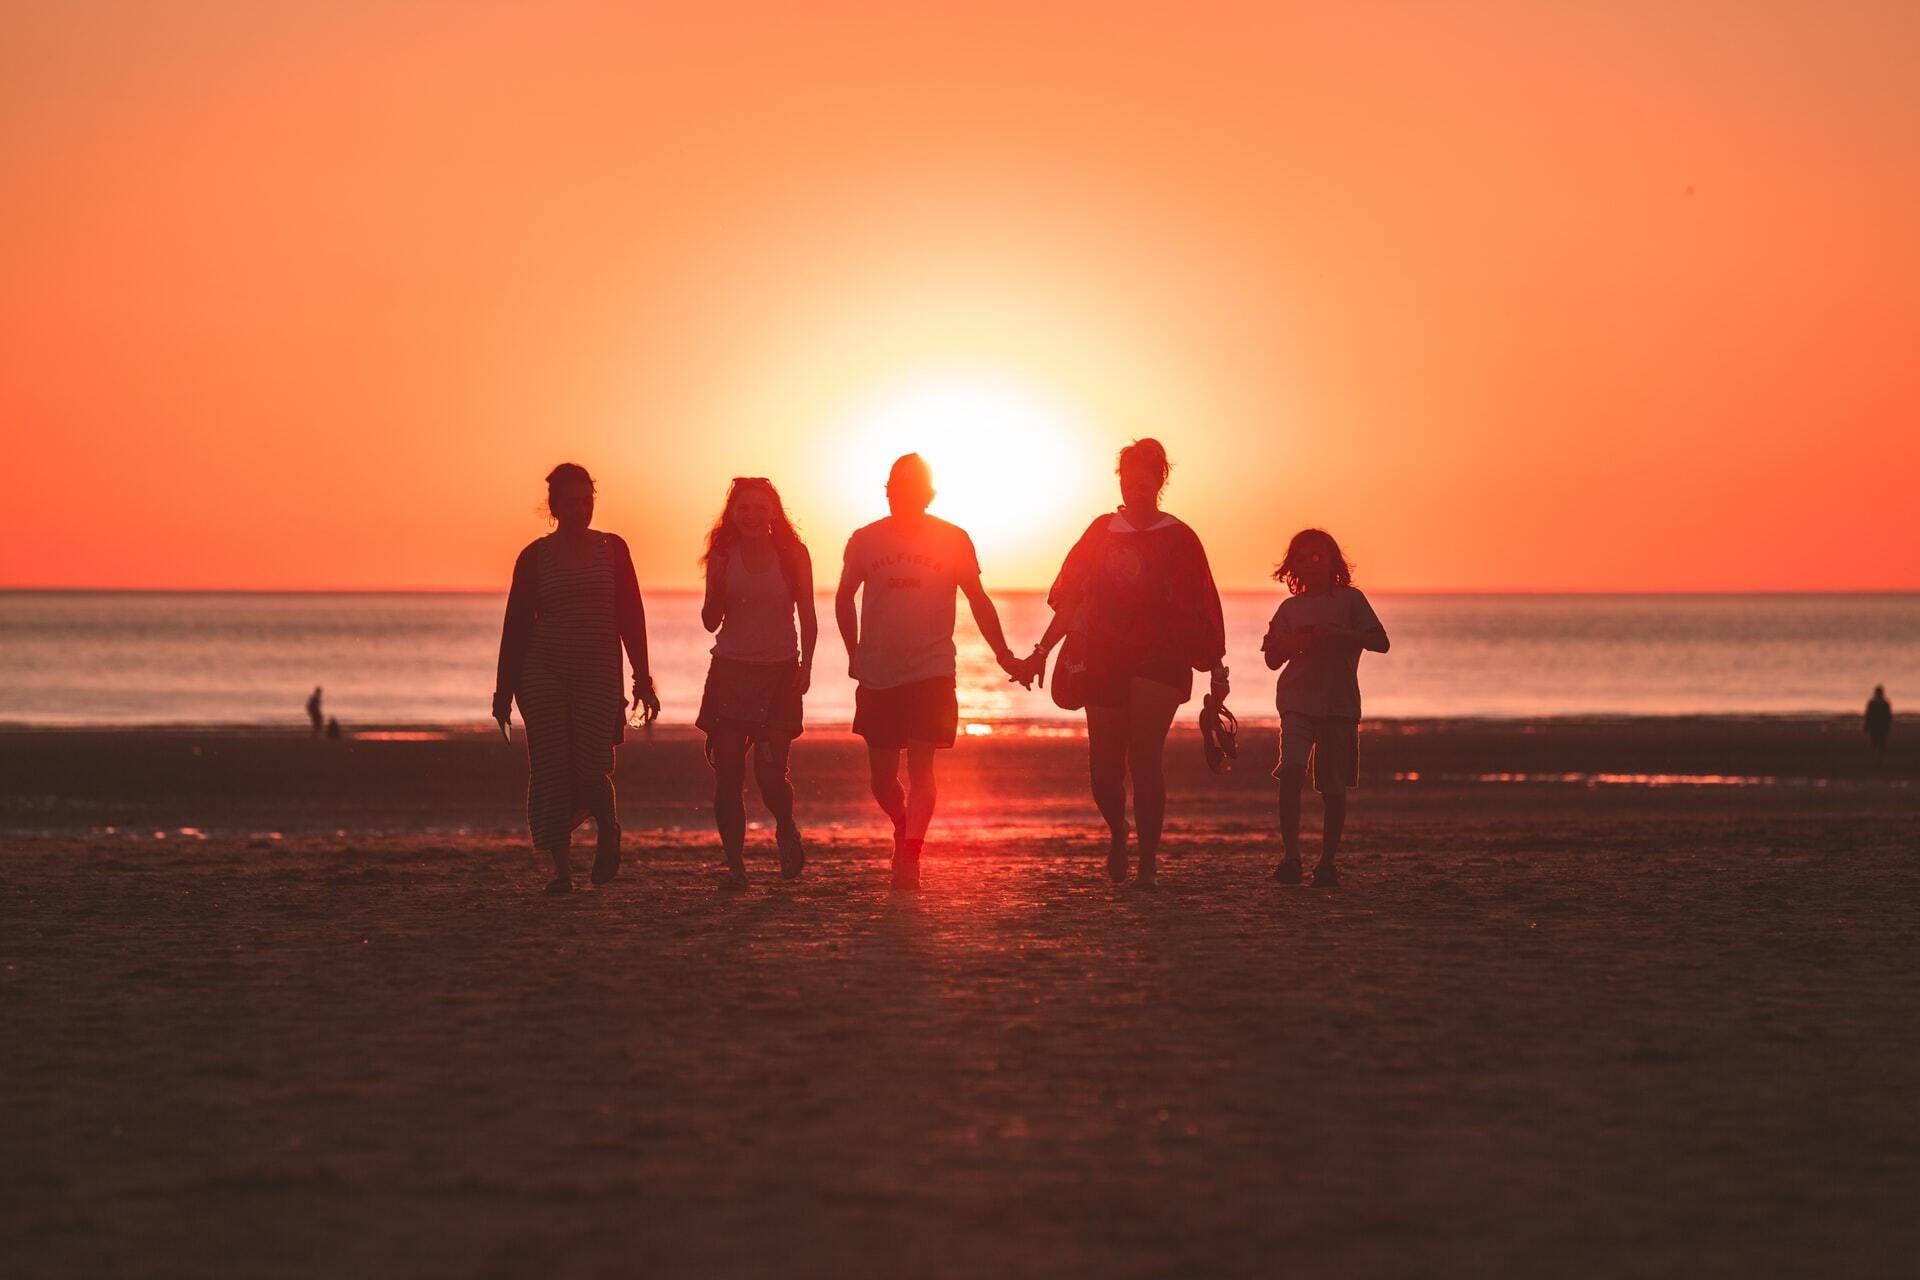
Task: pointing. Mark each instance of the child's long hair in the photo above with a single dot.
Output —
(1300, 552)
(786, 539)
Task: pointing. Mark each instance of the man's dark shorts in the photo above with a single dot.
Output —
(924, 711)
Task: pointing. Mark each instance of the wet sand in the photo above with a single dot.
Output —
(1569, 1028)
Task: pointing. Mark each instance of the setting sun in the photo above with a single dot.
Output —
(1011, 463)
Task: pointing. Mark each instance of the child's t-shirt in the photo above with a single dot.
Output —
(1323, 680)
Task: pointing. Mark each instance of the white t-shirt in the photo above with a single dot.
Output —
(1325, 679)
(908, 568)
(759, 625)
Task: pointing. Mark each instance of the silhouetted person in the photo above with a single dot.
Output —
(759, 581)
(1879, 718)
(905, 569)
(574, 601)
(1137, 590)
(333, 728)
(1315, 641)
(313, 712)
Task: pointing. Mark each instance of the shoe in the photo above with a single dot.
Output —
(1219, 734)
(1325, 876)
(793, 853)
(606, 859)
(1288, 872)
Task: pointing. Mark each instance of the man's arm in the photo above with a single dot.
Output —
(846, 614)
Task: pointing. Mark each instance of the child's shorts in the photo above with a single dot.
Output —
(1330, 744)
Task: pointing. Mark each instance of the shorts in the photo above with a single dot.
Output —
(755, 698)
(923, 711)
(1330, 744)
(1109, 679)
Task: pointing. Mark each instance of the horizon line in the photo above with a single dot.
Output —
(688, 589)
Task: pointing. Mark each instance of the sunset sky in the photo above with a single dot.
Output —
(1619, 296)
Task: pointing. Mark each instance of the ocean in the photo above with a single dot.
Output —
(154, 658)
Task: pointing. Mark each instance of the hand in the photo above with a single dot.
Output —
(803, 679)
(1038, 661)
(1219, 689)
(502, 707)
(1021, 673)
(645, 700)
(1282, 645)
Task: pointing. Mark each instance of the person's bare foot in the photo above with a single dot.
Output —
(560, 884)
(906, 864)
(1325, 876)
(1288, 872)
(1146, 877)
(606, 859)
(793, 853)
(1117, 858)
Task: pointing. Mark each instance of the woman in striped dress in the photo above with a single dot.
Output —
(575, 600)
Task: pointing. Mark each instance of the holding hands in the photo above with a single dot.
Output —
(1021, 671)
(1037, 664)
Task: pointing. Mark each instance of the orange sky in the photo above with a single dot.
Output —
(1508, 296)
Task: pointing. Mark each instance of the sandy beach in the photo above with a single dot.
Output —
(283, 1007)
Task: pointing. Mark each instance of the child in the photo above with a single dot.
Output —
(1317, 634)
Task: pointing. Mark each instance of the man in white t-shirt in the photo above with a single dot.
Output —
(906, 569)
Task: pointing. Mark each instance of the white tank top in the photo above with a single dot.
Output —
(759, 625)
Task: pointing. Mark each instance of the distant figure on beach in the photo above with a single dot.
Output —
(905, 569)
(1879, 718)
(1315, 641)
(575, 600)
(313, 712)
(1136, 603)
(759, 580)
(333, 728)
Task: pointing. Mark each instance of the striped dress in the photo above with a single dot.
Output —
(570, 696)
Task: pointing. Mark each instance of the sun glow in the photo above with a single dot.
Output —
(1012, 465)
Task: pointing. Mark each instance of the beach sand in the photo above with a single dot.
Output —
(323, 1022)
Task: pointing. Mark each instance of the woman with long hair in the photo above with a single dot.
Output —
(759, 581)
(575, 601)
(1137, 590)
